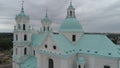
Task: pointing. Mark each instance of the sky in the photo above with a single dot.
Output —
(94, 15)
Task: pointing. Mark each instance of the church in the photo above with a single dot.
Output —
(69, 48)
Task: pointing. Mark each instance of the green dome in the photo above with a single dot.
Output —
(22, 15)
(71, 24)
(46, 20)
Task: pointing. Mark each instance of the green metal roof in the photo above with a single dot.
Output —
(31, 62)
(37, 39)
(88, 44)
(71, 24)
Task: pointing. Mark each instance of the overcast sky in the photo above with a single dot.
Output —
(94, 15)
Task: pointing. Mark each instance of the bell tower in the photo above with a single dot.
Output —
(46, 23)
(22, 38)
(71, 27)
(71, 11)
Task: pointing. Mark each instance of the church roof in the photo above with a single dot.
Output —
(37, 39)
(88, 44)
(71, 25)
(31, 62)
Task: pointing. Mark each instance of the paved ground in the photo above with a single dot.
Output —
(6, 66)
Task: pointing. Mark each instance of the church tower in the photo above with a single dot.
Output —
(70, 11)
(46, 23)
(22, 38)
(71, 27)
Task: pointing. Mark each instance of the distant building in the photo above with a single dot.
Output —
(70, 48)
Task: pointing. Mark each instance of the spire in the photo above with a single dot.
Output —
(71, 3)
(22, 9)
(46, 13)
(70, 6)
(22, 14)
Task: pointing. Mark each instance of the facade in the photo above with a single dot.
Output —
(70, 48)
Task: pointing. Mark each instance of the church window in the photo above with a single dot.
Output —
(34, 52)
(48, 28)
(96, 52)
(16, 37)
(18, 26)
(109, 53)
(79, 66)
(25, 51)
(50, 63)
(44, 28)
(70, 13)
(54, 47)
(73, 38)
(16, 51)
(45, 45)
(23, 26)
(106, 66)
(25, 37)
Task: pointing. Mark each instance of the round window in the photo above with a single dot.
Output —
(54, 47)
(45, 45)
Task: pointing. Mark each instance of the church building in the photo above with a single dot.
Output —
(69, 48)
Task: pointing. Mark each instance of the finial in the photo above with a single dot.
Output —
(71, 2)
(22, 9)
(46, 13)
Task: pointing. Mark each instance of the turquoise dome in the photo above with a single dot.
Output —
(46, 20)
(71, 24)
(22, 15)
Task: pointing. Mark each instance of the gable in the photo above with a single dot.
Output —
(50, 45)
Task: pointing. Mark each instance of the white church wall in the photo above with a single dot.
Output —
(64, 63)
(72, 62)
(44, 60)
(99, 62)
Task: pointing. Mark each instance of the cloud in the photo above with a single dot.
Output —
(94, 15)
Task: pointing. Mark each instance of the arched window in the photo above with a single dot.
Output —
(54, 47)
(50, 63)
(25, 51)
(18, 26)
(73, 38)
(70, 13)
(16, 51)
(34, 52)
(25, 37)
(23, 26)
(79, 66)
(44, 28)
(16, 37)
(48, 28)
(46, 46)
(106, 66)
